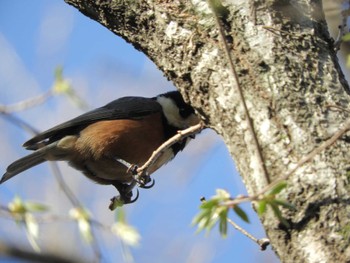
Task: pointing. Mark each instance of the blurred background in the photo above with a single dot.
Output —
(38, 36)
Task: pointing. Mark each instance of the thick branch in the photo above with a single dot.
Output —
(286, 64)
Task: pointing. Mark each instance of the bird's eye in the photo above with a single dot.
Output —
(184, 113)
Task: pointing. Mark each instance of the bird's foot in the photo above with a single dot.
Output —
(142, 179)
(125, 197)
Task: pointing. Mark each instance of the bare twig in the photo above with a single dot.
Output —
(176, 138)
(238, 87)
(311, 155)
(75, 203)
(96, 247)
(52, 218)
(6, 112)
(26, 104)
(263, 242)
(307, 158)
(142, 171)
(342, 29)
(14, 252)
(54, 167)
(20, 123)
(241, 199)
(62, 184)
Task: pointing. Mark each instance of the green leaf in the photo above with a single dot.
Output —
(115, 203)
(211, 222)
(348, 61)
(59, 73)
(223, 223)
(85, 230)
(16, 206)
(346, 37)
(240, 212)
(208, 217)
(35, 207)
(211, 212)
(284, 204)
(261, 207)
(278, 188)
(32, 231)
(32, 225)
(221, 195)
(82, 216)
(61, 85)
(200, 218)
(209, 204)
(278, 214)
(120, 215)
(128, 234)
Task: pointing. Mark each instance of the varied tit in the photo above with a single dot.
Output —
(100, 142)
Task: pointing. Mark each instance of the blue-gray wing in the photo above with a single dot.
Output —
(123, 108)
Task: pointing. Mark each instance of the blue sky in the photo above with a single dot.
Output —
(37, 36)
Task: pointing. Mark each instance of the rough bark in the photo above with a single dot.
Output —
(290, 75)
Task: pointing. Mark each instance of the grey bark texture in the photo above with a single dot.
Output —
(290, 78)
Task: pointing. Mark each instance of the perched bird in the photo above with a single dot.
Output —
(101, 142)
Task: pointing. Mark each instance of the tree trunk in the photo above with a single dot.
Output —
(285, 62)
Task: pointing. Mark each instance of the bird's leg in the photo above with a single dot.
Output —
(125, 195)
(142, 179)
(125, 190)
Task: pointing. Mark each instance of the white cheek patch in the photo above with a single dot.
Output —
(171, 112)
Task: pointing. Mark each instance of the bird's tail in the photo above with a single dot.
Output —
(23, 164)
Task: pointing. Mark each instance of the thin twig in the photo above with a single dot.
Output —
(52, 218)
(14, 252)
(236, 84)
(26, 104)
(95, 244)
(342, 30)
(5, 111)
(263, 242)
(241, 199)
(20, 123)
(176, 138)
(142, 171)
(29, 128)
(55, 218)
(63, 185)
(311, 155)
(76, 203)
(307, 158)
